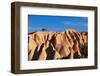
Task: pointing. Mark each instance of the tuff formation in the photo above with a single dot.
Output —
(47, 45)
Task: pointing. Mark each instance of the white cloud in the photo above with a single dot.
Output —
(74, 23)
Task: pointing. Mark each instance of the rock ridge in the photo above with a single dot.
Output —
(47, 45)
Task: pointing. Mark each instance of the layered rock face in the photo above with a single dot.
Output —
(46, 45)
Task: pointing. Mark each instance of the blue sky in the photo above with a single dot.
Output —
(56, 23)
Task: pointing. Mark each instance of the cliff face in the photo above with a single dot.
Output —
(45, 45)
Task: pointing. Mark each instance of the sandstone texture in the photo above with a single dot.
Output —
(47, 45)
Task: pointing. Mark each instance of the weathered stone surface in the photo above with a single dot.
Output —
(45, 45)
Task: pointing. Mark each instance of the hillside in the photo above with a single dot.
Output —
(46, 45)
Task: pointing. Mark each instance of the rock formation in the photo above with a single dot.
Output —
(46, 45)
